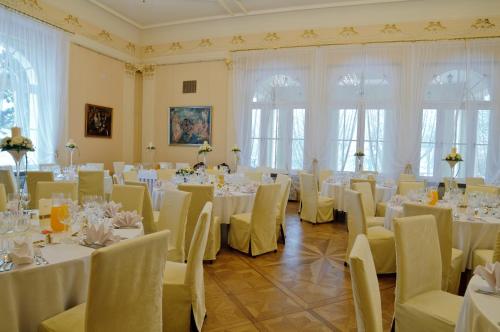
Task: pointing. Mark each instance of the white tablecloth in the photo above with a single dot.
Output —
(223, 207)
(336, 190)
(467, 235)
(479, 312)
(32, 293)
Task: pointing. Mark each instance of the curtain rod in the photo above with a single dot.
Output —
(362, 43)
(35, 18)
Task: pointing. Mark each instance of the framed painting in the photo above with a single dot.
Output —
(190, 125)
(98, 121)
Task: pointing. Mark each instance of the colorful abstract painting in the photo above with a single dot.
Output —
(191, 125)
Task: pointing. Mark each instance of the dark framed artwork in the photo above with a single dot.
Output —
(190, 125)
(98, 121)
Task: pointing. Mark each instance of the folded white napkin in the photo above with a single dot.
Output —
(111, 209)
(127, 219)
(398, 200)
(22, 252)
(491, 274)
(100, 235)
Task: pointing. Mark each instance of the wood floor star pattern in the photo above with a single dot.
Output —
(302, 287)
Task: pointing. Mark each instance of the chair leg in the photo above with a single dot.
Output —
(282, 233)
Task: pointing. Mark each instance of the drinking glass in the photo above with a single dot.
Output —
(58, 212)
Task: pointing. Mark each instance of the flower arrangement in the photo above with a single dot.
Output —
(16, 143)
(205, 148)
(71, 144)
(186, 171)
(359, 154)
(235, 149)
(150, 146)
(453, 156)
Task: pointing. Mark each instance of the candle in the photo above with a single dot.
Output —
(453, 150)
(16, 131)
(71, 142)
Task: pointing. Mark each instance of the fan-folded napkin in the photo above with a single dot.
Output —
(491, 274)
(127, 219)
(22, 252)
(100, 235)
(111, 209)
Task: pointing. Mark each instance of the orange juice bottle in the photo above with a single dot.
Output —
(57, 214)
(433, 197)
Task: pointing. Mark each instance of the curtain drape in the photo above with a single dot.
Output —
(400, 103)
(33, 68)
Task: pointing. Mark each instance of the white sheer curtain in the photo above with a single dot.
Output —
(33, 71)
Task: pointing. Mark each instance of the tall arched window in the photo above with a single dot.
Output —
(457, 109)
(278, 121)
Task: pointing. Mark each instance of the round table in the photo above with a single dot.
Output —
(479, 312)
(336, 190)
(468, 235)
(32, 293)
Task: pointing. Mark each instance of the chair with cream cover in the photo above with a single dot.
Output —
(125, 290)
(32, 178)
(372, 182)
(130, 176)
(483, 256)
(381, 240)
(365, 289)
(90, 183)
(483, 189)
(93, 167)
(3, 198)
(130, 197)
(173, 216)
(365, 189)
(201, 195)
(470, 181)
(149, 217)
(45, 189)
(166, 165)
(8, 180)
(183, 284)
(181, 165)
(407, 186)
(118, 167)
(323, 176)
(420, 303)
(165, 174)
(403, 177)
(315, 208)
(254, 176)
(451, 258)
(255, 233)
(285, 182)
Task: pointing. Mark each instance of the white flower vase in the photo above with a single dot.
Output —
(205, 159)
(452, 184)
(236, 160)
(71, 152)
(359, 163)
(17, 156)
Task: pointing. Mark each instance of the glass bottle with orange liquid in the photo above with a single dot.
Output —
(58, 213)
(433, 196)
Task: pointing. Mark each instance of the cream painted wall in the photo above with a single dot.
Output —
(95, 79)
(212, 89)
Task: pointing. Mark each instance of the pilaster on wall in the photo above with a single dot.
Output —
(128, 113)
(148, 109)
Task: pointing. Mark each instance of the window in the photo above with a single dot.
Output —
(278, 122)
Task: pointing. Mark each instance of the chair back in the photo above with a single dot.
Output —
(118, 167)
(45, 189)
(90, 183)
(201, 195)
(130, 176)
(483, 189)
(356, 220)
(444, 224)
(93, 167)
(32, 178)
(3, 198)
(365, 287)
(214, 171)
(166, 165)
(403, 177)
(181, 165)
(365, 189)
(8, 180)
(130, 197)
(254, 176)
(323, 176)
(285, 183)
(263, 221)
(372, 182)
(308, 197)
(165, 174)
(407, 186)
(496, 250)
(474, 181)
(418, 260)
(148, 219)
(173, 216)
(134, 267)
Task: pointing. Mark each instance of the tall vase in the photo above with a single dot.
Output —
(236, 161)
(71, 151)
(359, 163)
(18, 156)
(205, 159)
(452, 164)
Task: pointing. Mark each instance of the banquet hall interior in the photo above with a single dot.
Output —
(249, 165)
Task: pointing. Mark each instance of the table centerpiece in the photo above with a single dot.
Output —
(360, 155)
(204, 149)
(72, 147)
(452, 159)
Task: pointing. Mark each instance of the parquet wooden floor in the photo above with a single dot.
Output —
(302, 287)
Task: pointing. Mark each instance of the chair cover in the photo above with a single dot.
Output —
(484, 256)
(285, 182)
(372, 182)
(255, 233)
(381, 240)
(183, 284)
(165, 174)
(130, 197)
(173, 216)
(8, 180)
(407, 186)
(181, 165)
(201, 195)
(148, 216)
(420, 304)
(125, 289)
(3, 198)
(90, 183)
(315, 208)
(323, 176)
(407, 177)
(45, 189)
(32, 178)
(474, 181)
(254, 176)
(166, 165)
(118, 167)
(93, 167)
(365, 287)
(368, 203)
(483, 189)
(130, 176)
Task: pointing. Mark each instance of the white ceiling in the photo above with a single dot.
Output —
(156, 13)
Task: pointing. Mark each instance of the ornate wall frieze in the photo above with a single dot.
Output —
(309, 34)
(390, 28)
(271, 37)
(483, 23)
(348, 32)
(434, 26)
(73, 21)
(105, 36)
